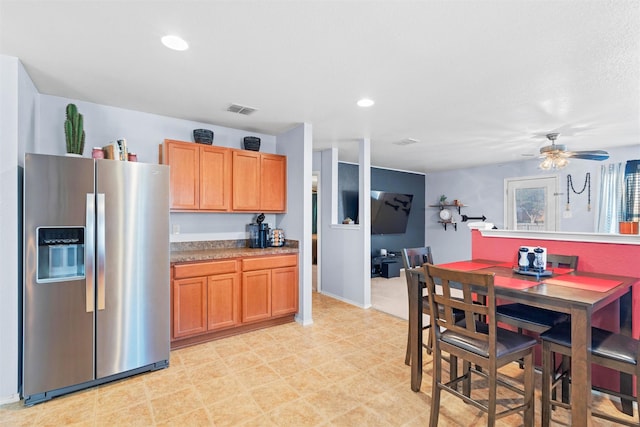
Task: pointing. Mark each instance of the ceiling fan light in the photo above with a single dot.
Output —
(546, 164)
(561, 162)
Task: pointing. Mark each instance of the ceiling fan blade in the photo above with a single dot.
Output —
(589, 155)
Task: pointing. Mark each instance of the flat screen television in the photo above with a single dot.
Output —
(390, 212)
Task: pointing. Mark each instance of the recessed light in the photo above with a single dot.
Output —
(365, 102)
(407, 141)
(175, 43)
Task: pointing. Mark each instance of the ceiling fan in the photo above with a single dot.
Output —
(556, 155)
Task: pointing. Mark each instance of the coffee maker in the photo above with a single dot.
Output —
(259, 233)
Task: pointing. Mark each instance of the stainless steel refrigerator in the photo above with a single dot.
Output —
(96, 272)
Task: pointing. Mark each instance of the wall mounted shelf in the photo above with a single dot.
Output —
(458, 206)
(447, 219)
(444, 224)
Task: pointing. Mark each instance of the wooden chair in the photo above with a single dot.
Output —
(608, 349)
(481, 344)
(532, 318)
(414, 258)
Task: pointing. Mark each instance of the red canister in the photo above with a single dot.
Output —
(97, 153)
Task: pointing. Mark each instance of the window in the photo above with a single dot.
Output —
(632, 184)
(530, 204)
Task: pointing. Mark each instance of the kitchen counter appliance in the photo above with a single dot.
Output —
(96, 277)
(259, 236)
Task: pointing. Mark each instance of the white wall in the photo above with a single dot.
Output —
(18, 106)
(297, 146)
(144, 132)
(345, 259)
(482, 189)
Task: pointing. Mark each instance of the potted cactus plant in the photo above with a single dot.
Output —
(74, 130)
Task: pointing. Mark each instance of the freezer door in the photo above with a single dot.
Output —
(58, 317)
(132, 263)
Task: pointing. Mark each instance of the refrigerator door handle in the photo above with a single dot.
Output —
(100, 249)
(89, 255)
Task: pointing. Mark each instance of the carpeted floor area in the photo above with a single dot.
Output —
(390, 295)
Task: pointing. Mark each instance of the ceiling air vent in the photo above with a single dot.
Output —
(407, 141)
(241, 109)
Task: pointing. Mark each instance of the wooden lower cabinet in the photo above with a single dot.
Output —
(212, 299)
(223, 301)
(206, 297)
(256, 295)
(189, 306)
(269, 287)
(284, 291)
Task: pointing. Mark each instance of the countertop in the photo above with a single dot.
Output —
(225, 253)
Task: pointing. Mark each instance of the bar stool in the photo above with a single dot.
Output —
(413, 258)
(481, 344)
(608, 349)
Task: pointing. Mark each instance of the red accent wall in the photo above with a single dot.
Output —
(609, 258)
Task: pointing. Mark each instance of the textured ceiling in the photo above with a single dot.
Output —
(475, 82)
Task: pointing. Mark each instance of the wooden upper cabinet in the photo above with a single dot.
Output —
(215, 178)
(200, 177)
(246, 180)
(273, 187)
(259, 182)
(221, 179)
(184, 159)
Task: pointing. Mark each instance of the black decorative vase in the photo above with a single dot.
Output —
(203, 136)
(252, 143)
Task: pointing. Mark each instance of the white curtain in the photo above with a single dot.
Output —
(611, 200)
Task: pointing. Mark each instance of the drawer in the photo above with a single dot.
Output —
(267, 262)
(211, 268)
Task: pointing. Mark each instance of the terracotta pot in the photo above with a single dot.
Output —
(628, 227)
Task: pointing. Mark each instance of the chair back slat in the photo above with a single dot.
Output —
(444, 303)
(415, 257)
(568, 261)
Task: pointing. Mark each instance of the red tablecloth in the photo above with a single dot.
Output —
(508, 282)
(582, 282)
(465, 265)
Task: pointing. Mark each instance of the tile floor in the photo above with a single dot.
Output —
(344, 370)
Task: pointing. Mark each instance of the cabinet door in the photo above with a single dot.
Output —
(223, 295)
(246, 180)
(256, 295)
(273, 186)
(184, 174)
(284, 291)
(215, 178)
(189, 306)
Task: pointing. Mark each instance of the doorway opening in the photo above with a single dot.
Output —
(315, 232)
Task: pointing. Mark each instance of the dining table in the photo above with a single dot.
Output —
(578, 293)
